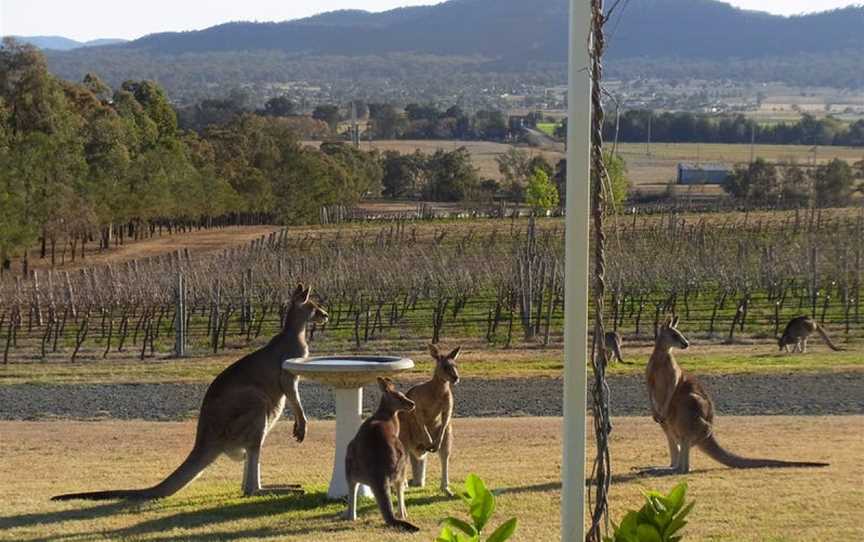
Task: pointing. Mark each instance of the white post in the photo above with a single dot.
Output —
(349, 416)
(576, 277)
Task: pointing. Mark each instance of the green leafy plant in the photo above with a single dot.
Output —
(658, 520)
(481, 506)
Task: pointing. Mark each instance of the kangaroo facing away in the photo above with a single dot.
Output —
(613, 346)
(376, 457)
(798, 330)
(239, 408)
(432, 416)
(684, 410)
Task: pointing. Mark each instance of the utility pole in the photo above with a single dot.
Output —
(752, 141)
(576, 276)
(650, 118)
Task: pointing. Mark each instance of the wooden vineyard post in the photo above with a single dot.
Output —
(180, 318)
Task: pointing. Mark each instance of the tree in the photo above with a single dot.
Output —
(797, 187)
(328, 114)
(387, 123)
(402, 173)
(541, 193)
(833, 184)
(279, 106)
(452, 176)
(757, 182)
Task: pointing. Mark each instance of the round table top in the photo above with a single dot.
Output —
(347, 371)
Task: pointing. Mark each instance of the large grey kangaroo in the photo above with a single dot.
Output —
(685, 412)
(240, 407)
(433, 416)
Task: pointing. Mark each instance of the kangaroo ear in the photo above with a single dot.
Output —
(667, 322)
(433, 350)
(307, 294)
(675, 321)
(455, 353)
(385, 384)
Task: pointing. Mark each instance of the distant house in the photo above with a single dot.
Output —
(689, 173)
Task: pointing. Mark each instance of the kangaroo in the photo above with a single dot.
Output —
(432, 416)
(613, 346)
(376, 457)
(239, 408)
(684, 410)
(798, 330)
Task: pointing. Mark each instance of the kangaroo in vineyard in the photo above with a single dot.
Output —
(684, 410)
(433, 416)
(613, 346)
(798, 330)
(240, 407)
(377, 458)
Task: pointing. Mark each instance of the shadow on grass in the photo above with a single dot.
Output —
(199, 518)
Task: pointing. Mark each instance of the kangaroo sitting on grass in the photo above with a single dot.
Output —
(684, 410)
(798, 330)
(433, 416)
(377, 458)
(240, 407)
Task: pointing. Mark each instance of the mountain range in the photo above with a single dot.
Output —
(673, 37)
(59, 43)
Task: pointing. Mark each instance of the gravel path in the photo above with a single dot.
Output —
(801, 394)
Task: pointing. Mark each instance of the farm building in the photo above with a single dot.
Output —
(689, 173)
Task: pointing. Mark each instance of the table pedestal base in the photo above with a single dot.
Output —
(349, 416)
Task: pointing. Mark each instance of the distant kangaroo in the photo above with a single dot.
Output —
(613, 346)
(434, 413)
(685, 412)
(798, 330)
(240, 407)
(376, 457)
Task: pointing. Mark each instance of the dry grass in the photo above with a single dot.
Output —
(519, 457)
(196, 242)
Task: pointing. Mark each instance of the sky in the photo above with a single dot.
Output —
(91, 19)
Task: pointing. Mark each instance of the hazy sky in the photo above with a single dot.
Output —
(90, 19)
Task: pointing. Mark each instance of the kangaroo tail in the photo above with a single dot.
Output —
(196, 462)
(385, 504)
(827, 340)
(716, 452)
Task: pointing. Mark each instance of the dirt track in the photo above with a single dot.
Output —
(790, 394)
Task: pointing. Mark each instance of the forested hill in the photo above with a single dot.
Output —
(517, 30)
(469, 39)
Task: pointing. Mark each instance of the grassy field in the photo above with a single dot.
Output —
(474, 363)
(754, 505)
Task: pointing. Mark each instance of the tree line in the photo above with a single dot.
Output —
(794, 186)
(81, 163)
(637, 125)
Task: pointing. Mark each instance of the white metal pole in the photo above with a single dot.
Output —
(576, 277)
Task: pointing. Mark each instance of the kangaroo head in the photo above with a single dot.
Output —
(393, 399)
(782, 342)
(445, 364)
(303, 307)
(669, 337)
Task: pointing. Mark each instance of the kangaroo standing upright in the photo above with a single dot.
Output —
(685, 412)
(798, 330)
(432, 416)
(376, 457)
(240, 407)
